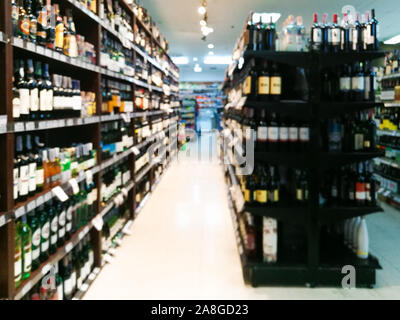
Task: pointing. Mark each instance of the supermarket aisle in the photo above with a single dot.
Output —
(182, 244)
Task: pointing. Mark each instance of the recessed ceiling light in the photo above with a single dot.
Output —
(201, 10)
(203, 23)
(393, 40)
(197, 68)
(210, 46)
(211, 53)
(195, 59)
(218, 60)
(180, 60)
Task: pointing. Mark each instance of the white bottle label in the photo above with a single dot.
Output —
(345, 83)
(293, 134)
(34, 100)
(49, 100)
(32, 176)
(24, 101)
(354, 39)
(43, 100)
(60, 292)
(23, 180)
(336, 36)
(304, 134)
(357, 83)
(15, 183)
(317, 35)
(369, 36)
(27, 258)
(284, 134)
(16, 107)
(262, 134)
(18, 268)
(39, 177)
(273, 134)
(36, 238)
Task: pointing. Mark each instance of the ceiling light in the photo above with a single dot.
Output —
(210, 46)
(393, 40)
(197, 68)
(203, 23)
(180, 60)
(211, 53)
(218, 60)
(195, 59)
(202, 10)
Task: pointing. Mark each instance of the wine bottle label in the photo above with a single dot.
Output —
(43, 100)
(367, 144)
(35, 253)
(293, 134)
(53, 239)
(32, 176)
(68, 226)
(61, 232)
(299, 194)
(15, 183)
(24, 26)
(283, 134)
(60, 35)
(68, 286)
(360, 191)
(27, 254)
(16, 107)
(60, 293)
(36, 238)
(263, 85)
(273, 134)
(24, 101)
(262, 134)
(369, 36)
(304, 134)
(39, 177)
(44, 246)
(334, 191)
(317, 35)
(276, 85)
(17, 266)
(247, 195)
(357, 83)
(23, 180)
(54, 224)
(274, 196)
(34, 99)
(261, 196)
(358, 141)
(345, 83)
(335, 36)
(270, 239)
(247, 86)
(49, 100)
(368, 191)
(367, 87)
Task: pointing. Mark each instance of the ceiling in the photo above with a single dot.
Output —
(179, 21)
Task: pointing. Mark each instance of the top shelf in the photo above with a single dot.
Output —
(309, 59)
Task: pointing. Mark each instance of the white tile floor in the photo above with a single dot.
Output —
(182, 246)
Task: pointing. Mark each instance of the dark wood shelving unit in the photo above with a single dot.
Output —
(90, 25)
(324, 256)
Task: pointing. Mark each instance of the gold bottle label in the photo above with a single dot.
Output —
(276, 85)
(263, 85)
(299, 194)
(247, 85)
(262, 196)
(24, 26)
(247, 195)
(276, 195)
(60, 35)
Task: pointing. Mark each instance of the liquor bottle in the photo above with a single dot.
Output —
(270, 240)
(44, 233)
(371, 32)
(274, 190)
(68, 219)
(61, 212)
(251, 235)
(78, 265)
(16, 101)
(51, 27)
(275, 83)
(252, 31)
(262, 189)
(357, 82)
(59, 30)
(325, 33)
(49, 91)
(358, 135)
(33, 91)
(17, 258)
(362, 240)
(41, 87)
(32, 22)
(23, 90)
(262, 132)
(26, 245)
(53, 218)
(17, 161)
(283, 135)
(371, 185)
(334, 189)
(263, 89)
(24, 22)
(31, 165)
(335, 35)
(260, 35)
(271, 36)
(273, 134)
(345, 34)
(300, 34)
(334, 136)
(316, 34)
(41, 13)
(250, 85)
(70, 44)
(39, 175)
(356, 37)
(34, 225)
(23, 175)
(66, 276)
(360, 187)
(304, 136)
(293, 136)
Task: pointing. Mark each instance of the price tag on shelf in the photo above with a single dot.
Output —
(85, 286)
(2, 220)
(96, 270)
(79, 122)
(40, 50)
(18, 42)
(19, 212)
(74, 185)
(63, 58)
(29, 126)
(89, 177)
(39, 201)
(30, 206)
(126, 117)
(70, 122)
(124, 192)
(26, 288)
(69, 247)
(81, 235)
(42, 124)
(46, 269)
(92, 276)
(47, 196)
(135, 150)
(30, 46)
(48, 53)
(98, 223)
(60, 193)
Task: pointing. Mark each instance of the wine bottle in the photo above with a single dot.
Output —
(34, 225)
(316, 34)
(371, 32)
(263, 91)
(362, 240)
(335, 32)
(33, 91)
(275, 83)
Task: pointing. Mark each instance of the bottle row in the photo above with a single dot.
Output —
(114, 221)
(387, 170)
(392, 62)
(356, 82)
(388, 118)
(261, 237)
(114, 178)
(43, 24)
(38, 167)
(42, 231)
(388, 141)
(273, 133)
(67, 276)
(349, 34)
(36, 96)
(116, 137)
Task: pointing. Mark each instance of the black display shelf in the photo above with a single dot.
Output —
(309, 59)
(386, 176)
(337, 159)
(292, 159)
(288, 107)
(331, 215)
(293, 214)
(329, 109)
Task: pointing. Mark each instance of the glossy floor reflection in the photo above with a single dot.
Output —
(183, 247)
